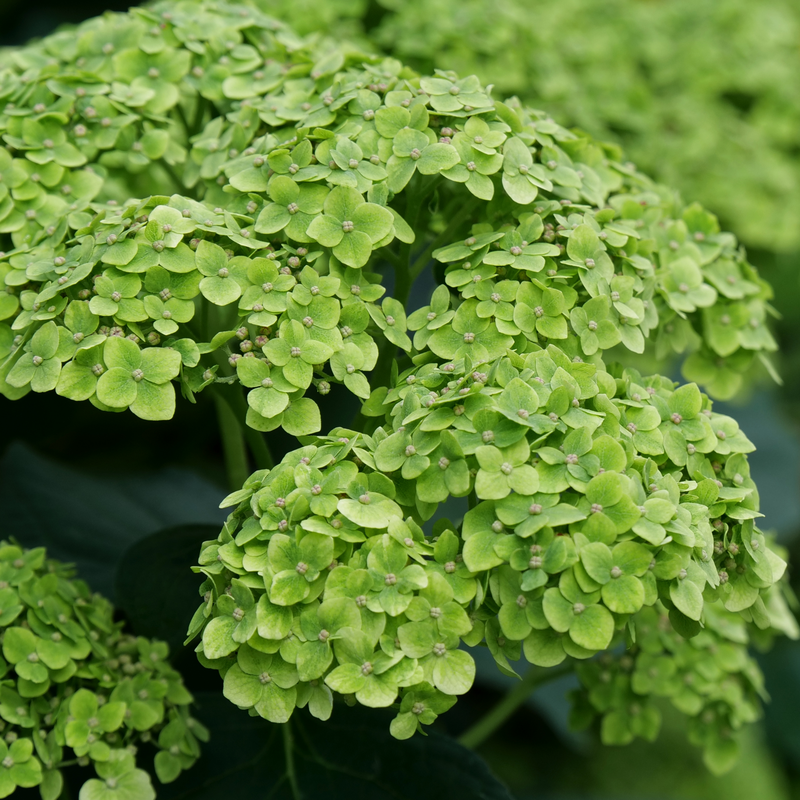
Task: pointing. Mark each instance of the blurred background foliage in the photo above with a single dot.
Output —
(702, 94)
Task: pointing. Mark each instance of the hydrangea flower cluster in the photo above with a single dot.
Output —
(298, 166)
(602, 511)
(710, 677)
(712, 115)
(76, 689)
(121, 343)
(192, 194)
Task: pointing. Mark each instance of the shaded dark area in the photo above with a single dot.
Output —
(21, 21)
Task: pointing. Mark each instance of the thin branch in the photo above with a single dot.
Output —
(197, 123)
(288, 749)
(183, 120)
(392, 258)
(176, 179)
(535, 677)
(232, 443)
(255, 439)
(444, 237)
(238, 406)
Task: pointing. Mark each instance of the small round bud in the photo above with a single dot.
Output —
(435, 612)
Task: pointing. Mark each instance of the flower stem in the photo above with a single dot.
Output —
(238, 407)
(534, 678)
(421, 189)
(443, 238)
(173, 174)
(383, 367)
(203, 105)
(288, 750)
(232, 443)
(255, 439)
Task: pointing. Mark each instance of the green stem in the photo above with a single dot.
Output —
(16, 354)
(288, 749)
(183, 120)
(476, 735)
(402, 283)
(255, 439)
(393, 258)
(232, 443)
(204, 316)
(383, 367)
(176, 179)
(404, 278)
(199, 114)
(238, 406)
(444, 237)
